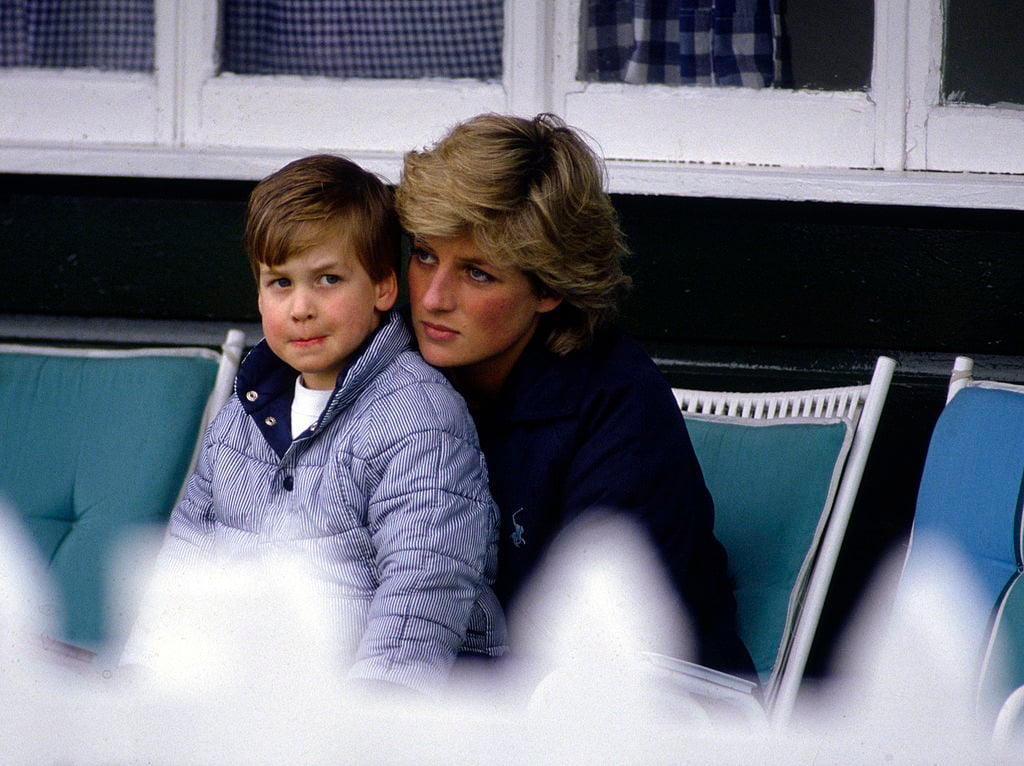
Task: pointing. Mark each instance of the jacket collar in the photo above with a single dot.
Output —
(265, 385)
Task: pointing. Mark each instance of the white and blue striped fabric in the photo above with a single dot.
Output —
(385, 498)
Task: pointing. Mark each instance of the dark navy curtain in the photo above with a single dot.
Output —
(682, 42)
(101, 34)
(365, 38)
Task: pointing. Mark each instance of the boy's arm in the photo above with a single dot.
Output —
(433, 523)
(190, 528)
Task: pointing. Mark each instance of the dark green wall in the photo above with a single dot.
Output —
(133, 248)
(728, 294)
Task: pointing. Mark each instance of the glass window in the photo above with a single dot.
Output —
(983, 44)
(680, 42)
(101, 34)
(364, 38)
(827, 44)
(749, 43)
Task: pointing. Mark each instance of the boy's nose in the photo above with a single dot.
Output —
(302, 306)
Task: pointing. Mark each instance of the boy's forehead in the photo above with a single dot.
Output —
(332, 253)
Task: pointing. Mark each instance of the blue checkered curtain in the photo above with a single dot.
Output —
(364, 38)
(682, 42)
(101, 34)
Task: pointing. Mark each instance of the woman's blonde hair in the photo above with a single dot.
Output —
(531, 194)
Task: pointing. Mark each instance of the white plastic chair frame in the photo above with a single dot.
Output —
(223, 385)
(862, 407)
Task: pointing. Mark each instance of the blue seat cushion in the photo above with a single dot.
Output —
(971, 496)
(91, 447)
(770, 481)
(971, 486)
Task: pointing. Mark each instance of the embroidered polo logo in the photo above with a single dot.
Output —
(517, 533)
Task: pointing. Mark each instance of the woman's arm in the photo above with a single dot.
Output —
(637, 460)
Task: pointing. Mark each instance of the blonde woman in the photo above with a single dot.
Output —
(514, 277)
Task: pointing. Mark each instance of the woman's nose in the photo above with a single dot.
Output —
(438, 295)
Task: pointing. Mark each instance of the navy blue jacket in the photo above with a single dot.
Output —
(600, 429)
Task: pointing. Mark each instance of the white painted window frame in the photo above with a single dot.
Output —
(953, 137)
(896, 144)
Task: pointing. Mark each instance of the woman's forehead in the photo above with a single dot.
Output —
(462, 246)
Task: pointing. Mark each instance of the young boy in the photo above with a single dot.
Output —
(343, 444)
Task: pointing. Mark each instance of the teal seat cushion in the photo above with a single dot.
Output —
(91, 447)
(770, 481)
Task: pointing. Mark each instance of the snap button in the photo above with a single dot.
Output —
(252, 396)
(289, 483)
(271, 421)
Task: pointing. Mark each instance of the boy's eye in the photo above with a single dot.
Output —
(280, 282)
(330, 279)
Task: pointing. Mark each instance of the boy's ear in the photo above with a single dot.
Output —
(387, 292)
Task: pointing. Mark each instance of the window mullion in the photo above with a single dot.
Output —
(528, 56)
(165, 64)
(197, 23)
(565, 33)
(888, 83)
(924, 69)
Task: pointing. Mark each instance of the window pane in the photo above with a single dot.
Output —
(680, 42)
(365, 38)
(984, 40)
(827, 44)
(102, 34)
(805, 44)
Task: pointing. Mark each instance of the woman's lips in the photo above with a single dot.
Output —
(438, 332)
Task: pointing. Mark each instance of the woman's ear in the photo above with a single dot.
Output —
(548, 302)
(547, 299)
(387, 292)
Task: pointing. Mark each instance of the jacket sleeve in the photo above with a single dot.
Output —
(637, 459)
(434, 527)
(190, 530)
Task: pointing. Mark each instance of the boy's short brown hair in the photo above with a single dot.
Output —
(312, 199)
(531, 194)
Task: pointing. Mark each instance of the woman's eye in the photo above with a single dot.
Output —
(479, 275)
(423, 256)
